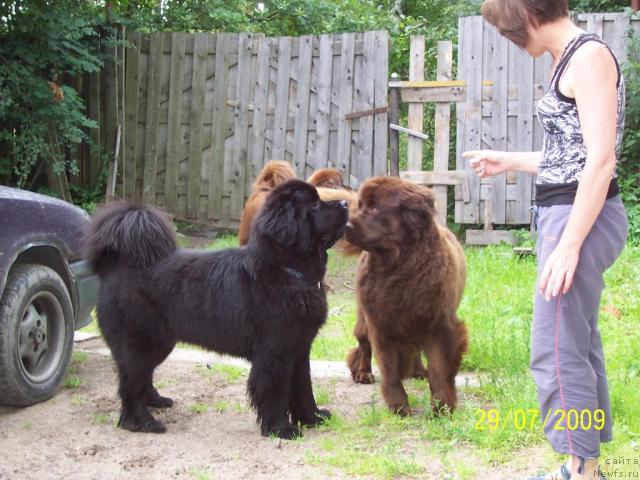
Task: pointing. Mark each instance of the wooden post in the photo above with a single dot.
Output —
(442, 127)
(416, 111)
(635, 5)
(394, 135)
(113, 170)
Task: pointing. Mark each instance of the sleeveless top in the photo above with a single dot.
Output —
(564, 153)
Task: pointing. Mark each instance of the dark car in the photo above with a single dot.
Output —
(46, 292)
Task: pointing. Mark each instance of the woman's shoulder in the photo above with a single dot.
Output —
(593, 58)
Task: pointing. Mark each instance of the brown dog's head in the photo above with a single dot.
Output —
(274, 173)
(328, 178)
(392, 214)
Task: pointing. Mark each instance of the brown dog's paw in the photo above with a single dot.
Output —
(365, 378)
(401, 410)
(419, 374)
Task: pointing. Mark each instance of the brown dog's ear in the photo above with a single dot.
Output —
(418, 200)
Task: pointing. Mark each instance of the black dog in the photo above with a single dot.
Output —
(263, 302)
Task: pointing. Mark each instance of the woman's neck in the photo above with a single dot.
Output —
(554, 37)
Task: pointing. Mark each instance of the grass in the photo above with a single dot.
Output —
(203, 473)
(72, 380)
(324, 394)
(230, 373)
(105, 418)
(199, 407)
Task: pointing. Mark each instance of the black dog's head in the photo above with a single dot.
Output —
(295, 220)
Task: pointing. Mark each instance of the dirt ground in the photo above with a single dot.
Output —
(73, 435)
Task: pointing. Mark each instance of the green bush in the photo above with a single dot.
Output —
(41, 44)
(629, 166)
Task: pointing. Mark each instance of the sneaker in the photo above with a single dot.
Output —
(564, 474)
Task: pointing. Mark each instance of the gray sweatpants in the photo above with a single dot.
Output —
(567, 360)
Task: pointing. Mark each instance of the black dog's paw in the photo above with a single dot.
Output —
(160, 402)
(286, 432)
(318, 418)
(149, 425)
(155, 400)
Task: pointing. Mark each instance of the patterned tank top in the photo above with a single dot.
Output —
(564, 153)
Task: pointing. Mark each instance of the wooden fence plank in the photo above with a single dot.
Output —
(282, 99)
(442, 129)
(323, 119)
(518, 210)
(241, 124)
(347, 64)
(174, 126)
(132, 143)
(260, 109)
(620, 41)
(94, 107)
(365, 95)
(381, 120)
(302, 105)
(470, 119)
(196, 127)
(416, 111)
(218, 130)
(151, 132)
(595, 24)
(498, 67)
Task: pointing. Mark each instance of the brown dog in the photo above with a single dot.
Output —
(327, 180)
(409, 284)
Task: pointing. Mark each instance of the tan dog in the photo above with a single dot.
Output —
(273, 174)
(327, 177)
(409, 284)
(329, 185)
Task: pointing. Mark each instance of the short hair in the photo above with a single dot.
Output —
(511, 17)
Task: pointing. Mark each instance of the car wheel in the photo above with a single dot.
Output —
(36, 335)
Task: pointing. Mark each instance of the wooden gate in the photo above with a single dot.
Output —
(203, 112)
(503, 116)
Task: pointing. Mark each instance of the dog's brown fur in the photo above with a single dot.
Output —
(329, 185)
(329, 194)
(273, 174)
(327, 177)
(409, 284)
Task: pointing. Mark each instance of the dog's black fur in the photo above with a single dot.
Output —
(262, 302)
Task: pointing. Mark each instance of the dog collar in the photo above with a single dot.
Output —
(300, 276)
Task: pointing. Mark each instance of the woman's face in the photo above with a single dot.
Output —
(534, 46)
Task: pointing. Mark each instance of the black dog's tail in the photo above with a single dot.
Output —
(134, 234)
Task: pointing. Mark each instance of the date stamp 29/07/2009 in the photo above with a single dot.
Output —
(529, 419)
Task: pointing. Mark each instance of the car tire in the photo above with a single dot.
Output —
(36, 335)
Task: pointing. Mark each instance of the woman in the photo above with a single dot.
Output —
(582, 224)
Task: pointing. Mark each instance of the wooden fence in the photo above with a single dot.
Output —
(203, 112)
(503, 116)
